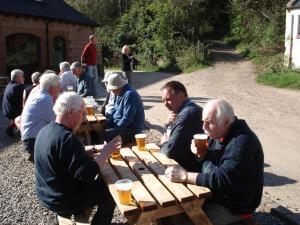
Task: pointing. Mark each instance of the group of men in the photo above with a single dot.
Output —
(67, 177)
(232, 165)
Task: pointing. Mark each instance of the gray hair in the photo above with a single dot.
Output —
(64, 66)
(35, 77)
(15, 73)
(49, 80)
(223, 110)
(48, 71)
(75, 65)
(67, 101)
(92, 36)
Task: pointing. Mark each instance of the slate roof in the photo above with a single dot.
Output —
(293, 4)
(47, 9)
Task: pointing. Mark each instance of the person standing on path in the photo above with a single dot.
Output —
(89, 60)
(127, 62)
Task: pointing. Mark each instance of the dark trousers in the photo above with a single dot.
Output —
(126, 134)
(29, 145)
(96, 194)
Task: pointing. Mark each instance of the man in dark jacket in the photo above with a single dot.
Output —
(12, 99)
(85, 85)
(67, 179)
(232, 167)
(183, 122)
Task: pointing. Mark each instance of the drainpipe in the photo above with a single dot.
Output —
(47, 44)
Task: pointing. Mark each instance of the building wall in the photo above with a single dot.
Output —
(75, 35)
(294, 51)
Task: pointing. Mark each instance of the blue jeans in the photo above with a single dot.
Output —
(93, 72)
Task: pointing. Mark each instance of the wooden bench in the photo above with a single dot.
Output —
(155, 197)
(95, 123)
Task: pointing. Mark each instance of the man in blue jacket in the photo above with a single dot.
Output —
(128, 116)
(12, 99)
(232, 167)
(182, 123)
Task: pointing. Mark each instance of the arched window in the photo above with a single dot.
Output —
(58, 51)
(23, 51)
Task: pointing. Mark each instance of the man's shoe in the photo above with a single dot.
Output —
(9, 131)
(52, 220)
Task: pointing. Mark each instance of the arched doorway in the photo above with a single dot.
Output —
(58, 51)
(23, 52)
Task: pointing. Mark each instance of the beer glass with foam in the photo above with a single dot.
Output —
(124, 190)
(141, 141)
(201, 143)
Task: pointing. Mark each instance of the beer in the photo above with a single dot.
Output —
(141, 141)
(124, 190)
(116, 155)
(89, 110)
(201, 143)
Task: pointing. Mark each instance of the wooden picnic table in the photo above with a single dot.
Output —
(155, 197)
(95, 122)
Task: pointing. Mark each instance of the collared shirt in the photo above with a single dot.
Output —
(37, 113)
(188, 122)
(233, 169)
(89, 54)
(128, 111)
(67, 78)
(85, 85)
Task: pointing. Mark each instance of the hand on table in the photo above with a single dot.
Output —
(176, 174)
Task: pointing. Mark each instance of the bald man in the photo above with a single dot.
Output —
(232, 166)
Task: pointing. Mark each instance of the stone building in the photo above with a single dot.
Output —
(38, 34)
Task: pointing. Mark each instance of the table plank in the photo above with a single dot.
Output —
(155, 187)
(91, 118)
(139, 192)
(199, 191)
(110, 178)
(100, 117)
(181, 193)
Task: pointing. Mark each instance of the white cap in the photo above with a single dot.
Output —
(115, 81)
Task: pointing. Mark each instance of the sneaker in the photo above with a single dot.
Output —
(9, 131)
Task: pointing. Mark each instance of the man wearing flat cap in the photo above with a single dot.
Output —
(128, 116)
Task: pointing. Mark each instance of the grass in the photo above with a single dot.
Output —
(284, 79)
(272, 71)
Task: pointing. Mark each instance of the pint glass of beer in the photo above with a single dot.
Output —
(141, 141)
(89, 110)
(116, 154)
(201, 143)
(124, 190)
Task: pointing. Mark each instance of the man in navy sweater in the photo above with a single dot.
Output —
(232, 167)
(12, 99)
(67, 179)
(182, 123)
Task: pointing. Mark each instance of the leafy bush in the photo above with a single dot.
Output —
(191, 56)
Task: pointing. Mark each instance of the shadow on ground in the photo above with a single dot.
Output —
(273, 180)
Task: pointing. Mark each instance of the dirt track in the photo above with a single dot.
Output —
(272, 113)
